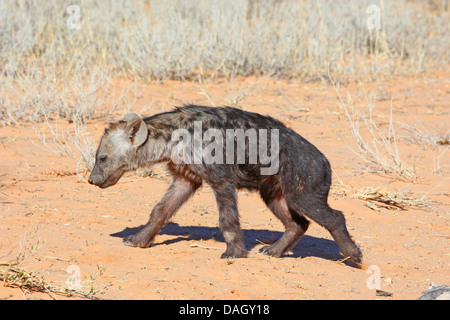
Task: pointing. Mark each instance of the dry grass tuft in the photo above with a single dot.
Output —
(16, 276)
(75, 144)
(377, 148)
(49, 69)
(385, 201)
(183, 39)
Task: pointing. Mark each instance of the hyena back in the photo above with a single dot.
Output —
(298, 191)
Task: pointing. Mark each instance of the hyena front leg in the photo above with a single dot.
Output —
(179, 192)
(229, 221)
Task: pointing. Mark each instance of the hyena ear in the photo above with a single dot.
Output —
(136, 129)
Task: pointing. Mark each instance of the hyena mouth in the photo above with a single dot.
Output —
(110, 181)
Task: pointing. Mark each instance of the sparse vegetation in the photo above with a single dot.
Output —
(180, 39)
(74, 144)
(60, 86)
(377, 149)
(385, 201)
(48, 67)
(14, 275)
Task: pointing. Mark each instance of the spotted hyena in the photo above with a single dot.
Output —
(228, 149)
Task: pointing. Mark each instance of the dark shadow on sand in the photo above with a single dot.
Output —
(308, 246)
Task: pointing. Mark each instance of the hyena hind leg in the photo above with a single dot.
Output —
(317, 209)
(294, 223)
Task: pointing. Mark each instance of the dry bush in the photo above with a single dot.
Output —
(74, 144)
(48, 69)
(35, 94)
(181, 39)
(424, 138)
(376, 148)
(437, 165)
(13, 274)
(383, 201)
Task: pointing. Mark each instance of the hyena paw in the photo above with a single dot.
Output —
(271, 251)
(355, 254)
(234, 253)
(136, 241)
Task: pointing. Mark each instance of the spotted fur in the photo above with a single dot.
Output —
(296, 193)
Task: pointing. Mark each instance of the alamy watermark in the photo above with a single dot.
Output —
(374, 19)
(240, 147)
(74, 280)
(374, 280)
(73, 21)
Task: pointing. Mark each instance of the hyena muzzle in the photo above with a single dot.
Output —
(295, 192)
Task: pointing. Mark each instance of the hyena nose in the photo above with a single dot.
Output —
(90, 181)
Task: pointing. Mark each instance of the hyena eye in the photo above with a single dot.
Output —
(102, 159)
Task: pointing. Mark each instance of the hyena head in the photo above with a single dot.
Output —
(117, 150)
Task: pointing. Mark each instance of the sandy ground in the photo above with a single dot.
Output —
(63, 226)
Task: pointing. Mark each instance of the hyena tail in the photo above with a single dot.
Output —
(309, 198)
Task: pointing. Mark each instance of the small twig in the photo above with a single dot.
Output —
(342, 260)
(131, 180)
(195, 245)
(12, 202)
(262, 242)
